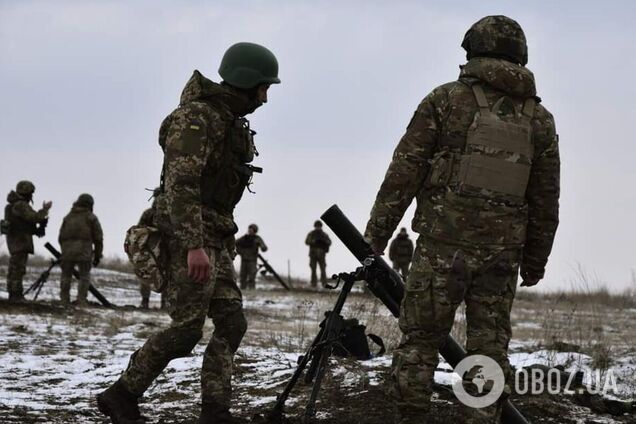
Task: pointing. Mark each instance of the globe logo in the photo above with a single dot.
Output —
(486, 375)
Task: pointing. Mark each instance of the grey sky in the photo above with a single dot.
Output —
(84, 86)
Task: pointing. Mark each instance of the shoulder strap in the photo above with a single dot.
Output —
(480, 97)
(528, 108)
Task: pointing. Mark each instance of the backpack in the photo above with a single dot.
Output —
(145, 250)
(354, 342)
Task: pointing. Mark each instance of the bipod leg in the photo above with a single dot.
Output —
(332, 330)
(276, 413)
(37, 293)
(31, 287)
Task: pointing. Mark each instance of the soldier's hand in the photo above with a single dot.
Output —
(198, 265)
(47, 205)
(529, 281)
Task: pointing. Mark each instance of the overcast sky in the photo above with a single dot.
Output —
(84, 86)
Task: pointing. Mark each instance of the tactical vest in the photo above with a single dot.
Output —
(478, 195)
(223, 186)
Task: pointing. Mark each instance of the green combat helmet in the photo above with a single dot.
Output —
(85, 200)
(247, 65)
(496, 36)
(253, 227)
(25, 188)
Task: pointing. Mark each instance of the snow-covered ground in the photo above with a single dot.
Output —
(54, 360)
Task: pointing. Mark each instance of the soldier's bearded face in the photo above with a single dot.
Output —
(261, 93)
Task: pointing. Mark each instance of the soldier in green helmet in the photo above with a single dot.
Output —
(481, 156)
(208, 147)
(82, 242)
(21, 222)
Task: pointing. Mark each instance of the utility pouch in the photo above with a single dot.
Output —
(4, 226)
(144, 247)
(441, 169)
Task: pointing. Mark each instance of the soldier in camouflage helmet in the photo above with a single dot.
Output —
(82, 242)
(208, 146)
(248, 247)
(21, 222)
(481, 155)
(318, 242)
(401, 252)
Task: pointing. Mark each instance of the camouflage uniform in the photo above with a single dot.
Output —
(401, 253)
(147, 219)
(318, 242)
(82, 240)
(476, 227)
(207, 145)
(23, 224)
(247, 247)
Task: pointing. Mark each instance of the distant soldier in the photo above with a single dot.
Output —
(21, 222)
(481, 156)
(318, 242)
(82, 242)
(401, 253)
(248, 247)
(147, 219)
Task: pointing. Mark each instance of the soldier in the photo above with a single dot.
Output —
(82, 241)
(21, 222)
(401, 252)
(147, 219)
(247, 247)
(318, 242)
(208, 145)
(481, 155)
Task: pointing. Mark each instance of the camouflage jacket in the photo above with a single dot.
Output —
(401, 249)
(318, 242)
(23, 220)
(441, 123)
(248, 246)
(202, 153)
(80, 233)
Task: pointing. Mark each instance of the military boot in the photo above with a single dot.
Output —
(144, 303)
(215, 413)
(120, 405)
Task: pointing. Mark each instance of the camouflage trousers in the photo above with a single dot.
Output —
(84, 268)
(189, 303)
(248, 273)
(441, 278)
(15, 274)
(318, 260)
(402, 267)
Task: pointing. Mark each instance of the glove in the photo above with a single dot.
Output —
(530, 280)
(96, 260)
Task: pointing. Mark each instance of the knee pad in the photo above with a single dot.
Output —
(183, 340)
(232, 326)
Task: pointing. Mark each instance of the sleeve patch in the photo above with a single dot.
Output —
(190, 140)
